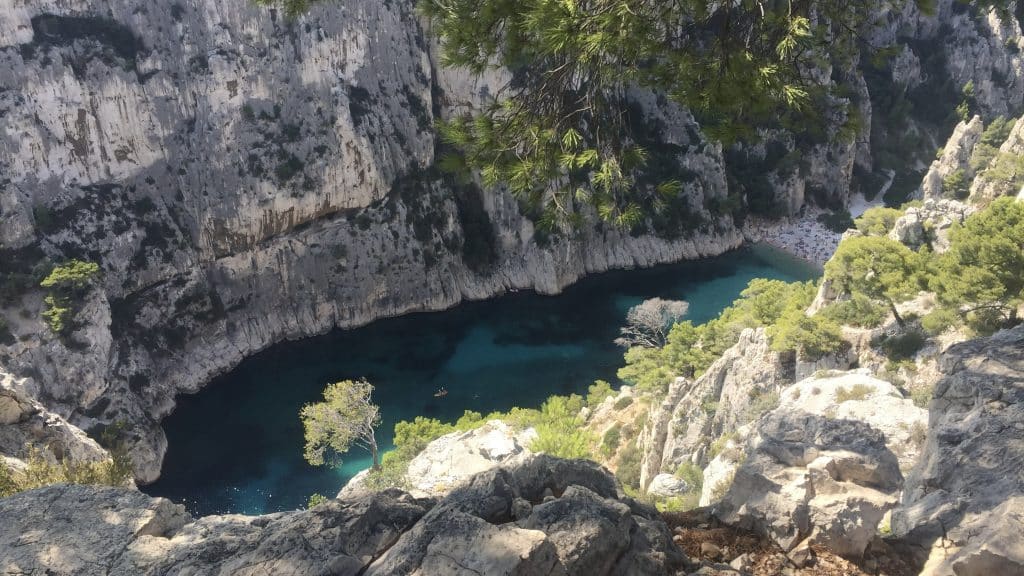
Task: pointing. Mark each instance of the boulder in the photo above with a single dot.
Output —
(668, 485)
(79, 530)
(963, 504)
(811, 477)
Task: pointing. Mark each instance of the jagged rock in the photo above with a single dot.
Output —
(955, 157)
(451, 459)
(586, 529)
(857, 395)
(930, 223)
(808, 476)
(735, 389)
(26, 423)
(645, 546)
(963, 504)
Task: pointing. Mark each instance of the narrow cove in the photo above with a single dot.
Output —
(236, 446)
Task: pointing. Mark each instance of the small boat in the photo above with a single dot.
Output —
(441, 393)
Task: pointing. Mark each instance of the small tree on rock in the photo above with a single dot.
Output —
(648, 323)
(877, 267)
(345, 418)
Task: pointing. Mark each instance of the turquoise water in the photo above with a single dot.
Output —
(236, 446)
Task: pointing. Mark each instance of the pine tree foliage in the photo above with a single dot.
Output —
(347, 417)
(558, 134)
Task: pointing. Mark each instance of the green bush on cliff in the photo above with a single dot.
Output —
(40, 472)
(877, 221)
(67, 284)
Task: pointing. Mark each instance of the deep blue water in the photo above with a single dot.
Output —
(236, 446)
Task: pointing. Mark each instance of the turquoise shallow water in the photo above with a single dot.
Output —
(236, 447)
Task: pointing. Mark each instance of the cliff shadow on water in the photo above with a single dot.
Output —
(237, 445)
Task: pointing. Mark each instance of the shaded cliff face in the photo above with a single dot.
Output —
(244, 179)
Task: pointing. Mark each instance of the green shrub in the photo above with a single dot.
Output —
(811, 336)
(761, 402)
(691, 349)
(628, 471)
(610, 441)
(40, 472)
(858, 311)
(67, 284)
(877, 221)
(692, 475)
(72, 276)
(316, 499)
(855, 392)
(903, 346)
(922, 395)
(624, 402)
(956, 185)
(939, 320)
(58, 314)
(598, 392)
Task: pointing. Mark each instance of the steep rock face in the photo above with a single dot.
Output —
(963, 504)
(244, 179)
(736, 389)
(573, 522)
(25, 423)
(956, 156)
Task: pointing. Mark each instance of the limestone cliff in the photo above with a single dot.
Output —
(244, 179)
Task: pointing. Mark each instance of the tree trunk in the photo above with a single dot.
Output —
(373, 451)
(896, 314)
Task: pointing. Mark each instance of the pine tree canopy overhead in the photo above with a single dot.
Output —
(559, 135)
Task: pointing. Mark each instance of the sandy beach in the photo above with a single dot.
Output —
(804, 236)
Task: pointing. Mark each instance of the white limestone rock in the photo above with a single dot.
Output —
(809, 478)
(963, 504)
(857, 395)
(955, 157)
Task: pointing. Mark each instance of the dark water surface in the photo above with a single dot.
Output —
(236, 446)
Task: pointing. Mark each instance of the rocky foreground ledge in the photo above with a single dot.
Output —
(541, 516)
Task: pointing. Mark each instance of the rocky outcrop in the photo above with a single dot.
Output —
(857, 395)
(572, 522)
(450, 460)
(955, 158)
(963, 504)
(991, 185)
(812, 479)
(930, 223)
(736, 389)
(26, 425)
